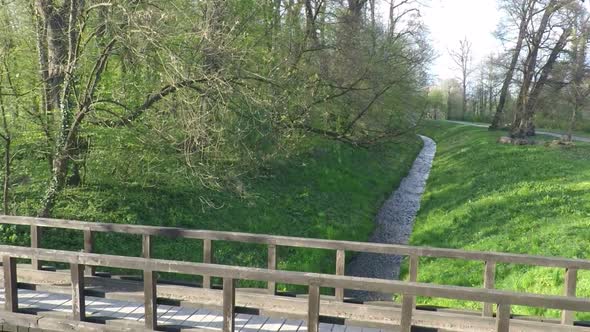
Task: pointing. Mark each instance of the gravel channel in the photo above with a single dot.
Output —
(394, 224)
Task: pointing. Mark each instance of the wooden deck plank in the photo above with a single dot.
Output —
(67, 306)
(370, 329)
(51, 302)
(302, 327)
(273, 325)
(216, 323)
(137, 314)
(177, 316)
(291, 325)
(26, 297)
(172, 316)
(241, 320)
(111, 309)
(338, 328)
(96, 307)
(196, 317)
(255, 324)
(324, 327)
(162, 310)
(64, 307)
(127, 311)
(353, 329)
(207, 319)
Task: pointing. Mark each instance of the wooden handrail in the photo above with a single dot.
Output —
(273, 241)
(378, 248)
(77, 260)
(302, 278)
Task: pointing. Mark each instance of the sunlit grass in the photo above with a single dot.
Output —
(486, 196)
(325, 189)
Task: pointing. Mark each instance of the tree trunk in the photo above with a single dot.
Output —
(6, 186)
(522, 120)
(464, 107)
(524, 126)
(449, 103)
(62, 37)
(513, 62)
(276, 23)
(490, 99)
(310, 23)
(6, 137)
(572, 124)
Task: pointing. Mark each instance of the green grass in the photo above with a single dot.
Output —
(486, 196)
(325, 190)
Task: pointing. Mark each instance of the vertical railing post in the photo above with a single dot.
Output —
(313, 309)
(78, 301)
(503, 318)
(146, 246)
(150, 299)
(570, 283)
(10, 284)
(406, 315)
(272, 265)
(413, 268)
(413, 273)
(89, 248)
(207, 247)
(340, 266)
(489, 280)
(229, 304)
(35, 243)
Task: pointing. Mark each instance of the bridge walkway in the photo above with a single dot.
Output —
(119, 312)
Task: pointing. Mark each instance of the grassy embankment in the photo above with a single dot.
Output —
(485, 196)
(324, 190)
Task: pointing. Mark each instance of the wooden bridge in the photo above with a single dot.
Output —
(82, 299)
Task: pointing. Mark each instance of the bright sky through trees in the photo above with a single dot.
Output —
(452, 20)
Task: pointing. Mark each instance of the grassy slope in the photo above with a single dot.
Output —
(327, 190)
(485, 196)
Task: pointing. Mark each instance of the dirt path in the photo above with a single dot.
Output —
(394, 224)
(539, 132)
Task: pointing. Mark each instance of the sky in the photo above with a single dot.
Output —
(450, 21)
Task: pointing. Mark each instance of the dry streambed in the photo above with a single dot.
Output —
(394, 224)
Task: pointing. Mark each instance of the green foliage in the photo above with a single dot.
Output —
(486, 196)
(325, 190)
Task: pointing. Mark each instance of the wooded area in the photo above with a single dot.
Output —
(541, 78)
(221, 87)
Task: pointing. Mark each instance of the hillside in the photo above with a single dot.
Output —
(326, 189)
(485, 196)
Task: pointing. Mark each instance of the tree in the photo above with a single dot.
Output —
(7, 111)
(578, 89)
(224, 86)
(521, 10)
(436, 102)
(462, 58)
(552, 32)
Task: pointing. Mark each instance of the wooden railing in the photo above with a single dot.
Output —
(489, 259)
(231, 274)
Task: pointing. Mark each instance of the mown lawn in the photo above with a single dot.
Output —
(325, 190)
(485, 196)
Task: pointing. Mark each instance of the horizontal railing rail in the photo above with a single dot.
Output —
(230, 274)
(490, 259)
(287, 241)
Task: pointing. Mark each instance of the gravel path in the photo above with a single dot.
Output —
(538, 132)
(395, 222)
